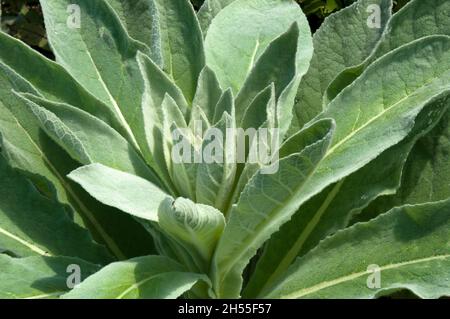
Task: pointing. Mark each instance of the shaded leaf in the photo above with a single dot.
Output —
(40, 277)
(31, 224)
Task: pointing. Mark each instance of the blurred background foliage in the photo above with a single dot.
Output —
(23, 18)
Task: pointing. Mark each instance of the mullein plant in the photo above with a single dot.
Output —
(353, 201)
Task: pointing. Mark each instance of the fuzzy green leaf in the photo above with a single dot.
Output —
(29, 149)
(28, 65)
(197, 227)
(215, 176)
(425, 177)
(40, 277)
(267, 201)
(244, 24)
(86, 138)
(182, 44)
(409, 245)
(338, 45)
(208, 12)
(101, 55)
(150, 277)
(415, 20)
(333, 208)
(208, 93)
(31, 224)
(140, 19)
(129, 193)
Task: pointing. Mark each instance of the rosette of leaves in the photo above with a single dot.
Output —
(88, 181)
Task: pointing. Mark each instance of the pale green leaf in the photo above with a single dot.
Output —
(28, 65)
(129, 193)
(209, 10)
(197, 227)
(184, 156)
(40, 277)
(182, 44)
(215, 175)
(239, 34)
(426, 176)
(99, 54)
(338, 45)
(333, 208)
(150, 277)
(276, 65)
(29, 149)
(409, 245)
(157, 85)
(208, 94)
(224, 104)
(415, 20)
(140, 19)
(86, 138)
(267, 201)
(171, 115)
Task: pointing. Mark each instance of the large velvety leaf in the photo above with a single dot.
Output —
(426, 176)
(239, 35)
(140, 18)
(410, 246)
(99, 54)
(39, 277)
(21, 134)
(31, 224)
(209, 10)
(338, 45)
(333, 208)
(372, 115)
(182, 44)
(127, 192)
(150, 277)
(382, 101)
(264, 205)
(86, 138)
(29, 149)
(277, 65)
(416, 20)
(27, 64)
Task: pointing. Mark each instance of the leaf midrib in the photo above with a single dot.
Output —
(302, 238)
(278, 210)
(108, 240)
(43, 296)
(24, 242)
(115, 105)
(385, 110)
(136, 286)
(140, 283)
(343, 279)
